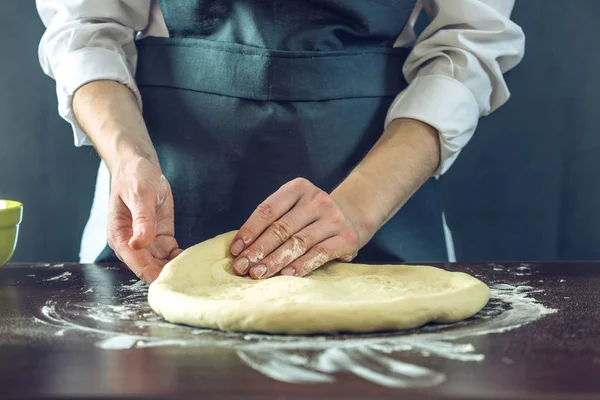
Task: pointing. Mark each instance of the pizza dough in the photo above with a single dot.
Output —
(199, 288)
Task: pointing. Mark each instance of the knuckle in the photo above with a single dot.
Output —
(288, 185)
(323, 200)
(266, 210)
(141, 219)
(120, 239)
(321, 250)
(351, 238)
(138, 189)
(315, 261)
(301, 242)
(337, 217)
(300, 182)
(245, 234)
(281, 230)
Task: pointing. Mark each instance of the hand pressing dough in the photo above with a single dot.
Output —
(199, 288)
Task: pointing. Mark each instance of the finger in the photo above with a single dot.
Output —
(162, 247)
(146, 269)
(294, 248)
(150, 273)
(120, 232)
(143, 215)
(141, 262)
(319, 255)
(175, 253)
(269, 211)
(278, 233)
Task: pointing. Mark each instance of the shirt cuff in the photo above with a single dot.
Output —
(83, 66)
(444, 103)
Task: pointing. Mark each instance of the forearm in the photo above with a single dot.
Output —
(406, 155)
(109, 114)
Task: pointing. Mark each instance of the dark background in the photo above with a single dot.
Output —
(527, 187)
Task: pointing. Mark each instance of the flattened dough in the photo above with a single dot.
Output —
(198, 288)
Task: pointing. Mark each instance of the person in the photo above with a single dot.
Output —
(314, 128)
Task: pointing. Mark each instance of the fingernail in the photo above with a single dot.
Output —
(288, 272)
(259, 271)
(241, 265)
(237, 247)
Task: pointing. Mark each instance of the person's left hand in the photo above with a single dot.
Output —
(293, 232)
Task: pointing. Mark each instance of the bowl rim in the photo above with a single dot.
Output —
(10, 204)
(12, 215)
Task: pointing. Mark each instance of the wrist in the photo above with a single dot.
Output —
(111, 117)
(137, 176)
(123, 151)
(364, 218)
(406, 155)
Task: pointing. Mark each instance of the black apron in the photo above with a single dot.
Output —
(246, 95)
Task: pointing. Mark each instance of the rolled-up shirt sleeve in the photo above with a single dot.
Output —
(87, 41)
(455, 69)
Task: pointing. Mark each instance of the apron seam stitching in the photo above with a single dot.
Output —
(269, 53)
(264, 99)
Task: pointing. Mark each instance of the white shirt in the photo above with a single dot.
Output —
(455, 69)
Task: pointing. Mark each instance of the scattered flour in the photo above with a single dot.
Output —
(62, 277)
(377, 358)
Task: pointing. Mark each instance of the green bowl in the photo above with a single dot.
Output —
(11, 214)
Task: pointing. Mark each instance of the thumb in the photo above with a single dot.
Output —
(143, 216)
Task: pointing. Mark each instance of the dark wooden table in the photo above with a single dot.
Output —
(86, 330)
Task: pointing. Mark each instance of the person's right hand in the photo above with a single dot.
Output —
(141, 226)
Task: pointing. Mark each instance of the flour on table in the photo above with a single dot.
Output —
(122, 319)
(62, 277)
(298, 359)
